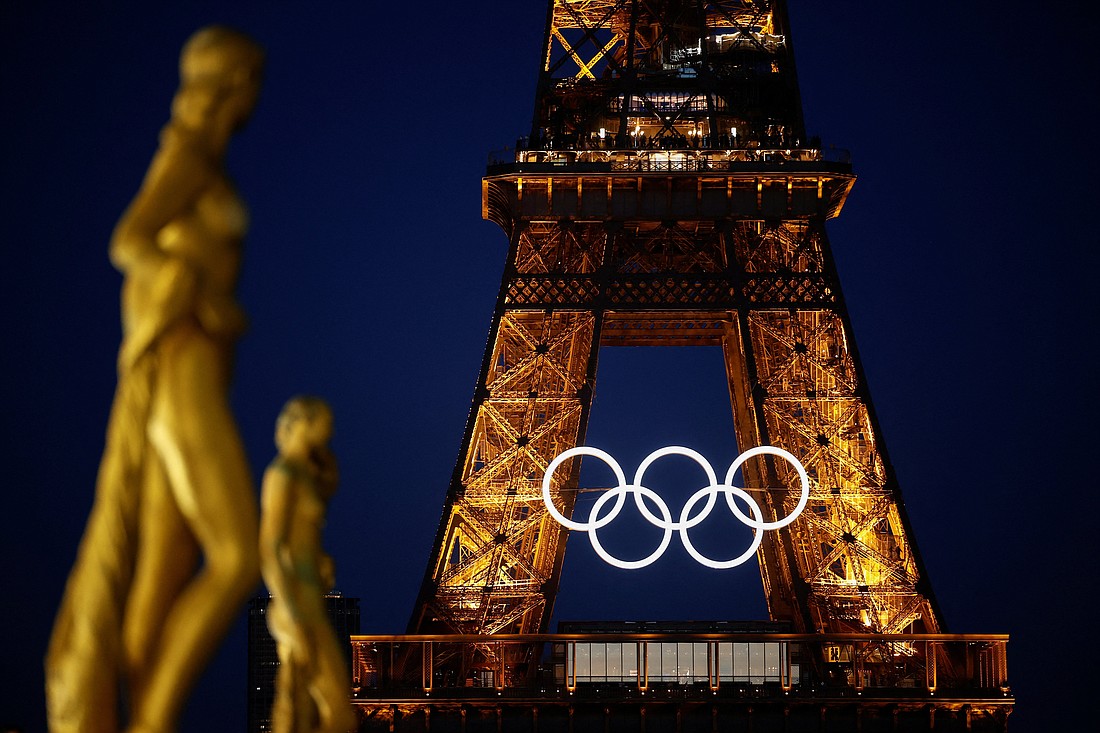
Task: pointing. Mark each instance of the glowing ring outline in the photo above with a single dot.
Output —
(583, 451)
(687, 453)
(661, 547)
(757, 535)
(802, 477)
(596, 522)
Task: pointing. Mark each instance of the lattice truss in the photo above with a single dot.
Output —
(578, 248)
(588, 37)
(501, 545)
(561, 247)
(621, 74)
(668, 248)
(849, 544)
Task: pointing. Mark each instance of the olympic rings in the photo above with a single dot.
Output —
(664, 522)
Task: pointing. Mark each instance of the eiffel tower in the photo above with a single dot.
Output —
(667, 195)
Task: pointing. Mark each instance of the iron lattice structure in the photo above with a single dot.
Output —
(667, 195)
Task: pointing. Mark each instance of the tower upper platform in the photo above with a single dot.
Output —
(687, 89)
(681, 75)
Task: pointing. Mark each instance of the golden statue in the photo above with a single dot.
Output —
(140, 611)
(312, 688)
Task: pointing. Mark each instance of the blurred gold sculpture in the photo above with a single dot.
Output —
(312, 688)
(140, 613)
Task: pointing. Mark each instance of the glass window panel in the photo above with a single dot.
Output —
(614, 654)
(771, 661)
(598, 661)
(668, 662)
(740, 661)
(756, 663)
(584, 657)
(725, 661)
(701, 670)
(684, 669)
(630, 661)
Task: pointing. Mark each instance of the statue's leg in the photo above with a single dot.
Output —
(304, 712)
(195, 435)
(166, 560)
(330, 686)
(282, 708)
(286, 708)
(85, 652)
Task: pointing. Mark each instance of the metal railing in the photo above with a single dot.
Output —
(673, 160)
(548, 666)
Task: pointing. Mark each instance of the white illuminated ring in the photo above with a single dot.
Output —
(583, 451)
(757, 535)
(678, 451)
(665, 522)
(802, 477)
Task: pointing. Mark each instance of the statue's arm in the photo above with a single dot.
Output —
(174, 179)
(277, 510)
(173, 182)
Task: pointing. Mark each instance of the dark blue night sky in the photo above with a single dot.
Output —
(967, 251)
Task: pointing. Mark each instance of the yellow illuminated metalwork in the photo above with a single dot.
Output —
(500, 545)
(577, 23)
(659, 201)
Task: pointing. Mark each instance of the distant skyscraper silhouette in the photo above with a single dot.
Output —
(263, 658)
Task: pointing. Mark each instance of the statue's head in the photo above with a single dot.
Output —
(221, 56)
(220, 74)
(312, 415)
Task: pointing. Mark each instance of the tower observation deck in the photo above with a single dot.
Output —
(667, 195)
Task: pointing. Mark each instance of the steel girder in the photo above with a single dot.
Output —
(498, 553)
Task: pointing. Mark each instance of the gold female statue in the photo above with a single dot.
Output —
(140, 611)
(312, 689)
